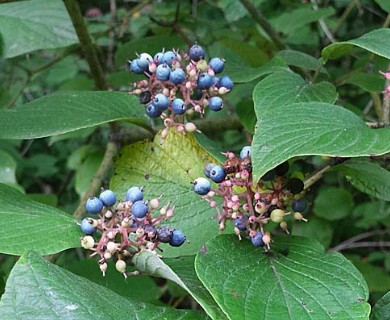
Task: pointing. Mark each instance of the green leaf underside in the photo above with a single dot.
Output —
(290, 123)
(37, 289)
(376, 41)
(29, 225)
(181, 271)
(31, 25)
(333, 203)
(381, 309)
(301, 60)
(69, 111)
(368, 177)
(297, 280)
(168, 168)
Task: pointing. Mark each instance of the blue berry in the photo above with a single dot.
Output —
(87, 227)
(207, 169)
(178, 238)
(240, 223)
(143, 61)
(257, 240)
(245, 152)
(217, 174)
(178, 106)
(153, 111)
(177, 76)
(139, 209)
(299, 205)
(217, 64)
(196, 52)
(226, 82)
(134, 194)
(108, 198)
(162, 72)
(161, 101)
(164, 234)
(168, 57)
(158, 57)
(204, 81)
(134, 67)
(94, 205)
(216, 103)
(202, 186)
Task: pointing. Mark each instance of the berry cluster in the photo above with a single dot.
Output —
(126, 227)
(180, 83)
(249, 205)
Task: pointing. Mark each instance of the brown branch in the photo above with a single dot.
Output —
(87, 46)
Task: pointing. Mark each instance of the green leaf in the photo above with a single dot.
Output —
(381, 308)
(69, 111)
(288, 124)
(296, 280)
(333, 203)
(29, 225)
(290, 21)
(368, 177)
(168, 167)
(371, 214)
(384, 4)
(181, 271)
(36, 24)
(366, 81)
(141, 288)
(376, 41)
(378, 279)
(300, 60)
(40, 290)
(314, 228)
(86, 171)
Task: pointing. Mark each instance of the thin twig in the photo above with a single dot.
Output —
(316, 176)
(343, 17)
(87, 46)
(386, 102)
(111, 36)
(351, 241)
(323, 25)
(105, 165)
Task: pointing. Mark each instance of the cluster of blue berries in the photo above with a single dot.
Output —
(249, 205)
(180, 83)
(124, 228)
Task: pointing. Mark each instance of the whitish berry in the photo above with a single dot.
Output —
(94, 205)
(108, 198)
(120, 265)
(139, 209)
(257, 239)
(245, 152)
(87, 227)
(87, 242)
(178, 238)
(202, 186)
(134, 194)
(277, 215)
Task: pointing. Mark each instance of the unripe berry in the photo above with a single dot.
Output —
(190, 127)
(112, 247)
(277, 215)
(103, 268)
(120, 265)
(87, 242)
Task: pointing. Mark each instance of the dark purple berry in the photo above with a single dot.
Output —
(299, 205)
(282, 169)
(145, 97)
(150, 231)
(295, 185)
(164, 234)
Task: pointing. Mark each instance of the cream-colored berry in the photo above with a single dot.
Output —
(87, 242)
